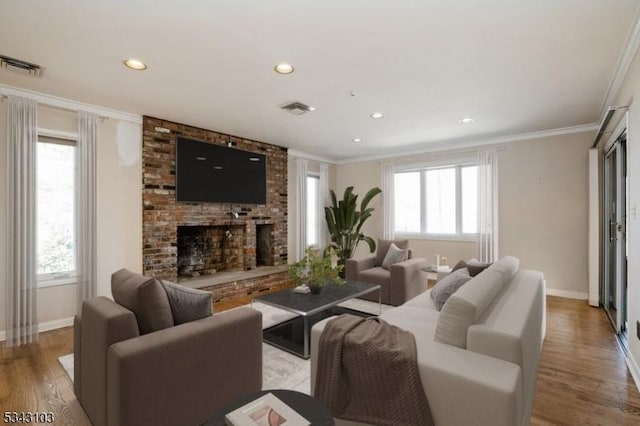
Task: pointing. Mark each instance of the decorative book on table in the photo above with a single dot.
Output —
(267, 410)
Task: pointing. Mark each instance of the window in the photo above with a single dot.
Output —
(313, 191)
(55, 197)
(437, 201)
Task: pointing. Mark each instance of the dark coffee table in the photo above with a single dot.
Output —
(309, 408)
(294, 335)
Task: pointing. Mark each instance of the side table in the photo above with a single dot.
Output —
(309, 408)
(434, 274)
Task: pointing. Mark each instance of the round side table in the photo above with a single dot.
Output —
(309, 408)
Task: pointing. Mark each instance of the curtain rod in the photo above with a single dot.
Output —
(610, 111)
(101, 117)
(69, 104)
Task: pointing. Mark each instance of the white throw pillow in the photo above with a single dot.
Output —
(394, 255)
(449, 285)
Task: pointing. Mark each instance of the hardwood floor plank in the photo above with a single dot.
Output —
(583, 377)
(582, 380)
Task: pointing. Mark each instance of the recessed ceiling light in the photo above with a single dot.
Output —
(357, 140)
(201, 158)
(254, 159)
(217, 167)
(283, 68)
(376, 115)
(466, 120)
(135, 64)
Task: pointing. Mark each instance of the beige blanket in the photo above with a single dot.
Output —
(368, 372)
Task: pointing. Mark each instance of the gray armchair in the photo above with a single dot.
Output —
(401, 282)
(181, 374)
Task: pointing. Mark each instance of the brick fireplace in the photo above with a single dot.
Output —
(185, 240)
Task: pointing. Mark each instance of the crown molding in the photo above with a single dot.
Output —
(473, 143)
(70, 105)
(622, 68)
(301, 154)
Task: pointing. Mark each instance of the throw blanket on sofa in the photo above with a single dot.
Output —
(368, 372)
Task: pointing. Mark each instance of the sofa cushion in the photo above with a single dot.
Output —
(187, 304)
(465, 306)
(507, 266)
(383, 248)
(394, 255)
(449, 285)
(474, 267)
(143, 296)
(377, 275)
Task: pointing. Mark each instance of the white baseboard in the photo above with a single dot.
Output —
(568, 294)
(45, 326)
(634, 370)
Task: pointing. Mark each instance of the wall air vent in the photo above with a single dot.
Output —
(20, 65)
(297, 108)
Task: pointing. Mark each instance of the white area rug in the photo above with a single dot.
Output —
(280, 369)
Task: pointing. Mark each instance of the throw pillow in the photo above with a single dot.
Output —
(449, 285)
(145, 297)
(383, 248)
(472, 265)
(394, 255)
(187, 304)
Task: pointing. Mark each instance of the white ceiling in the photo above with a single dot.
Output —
(515, 66)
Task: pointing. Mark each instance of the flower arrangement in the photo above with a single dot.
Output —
(317, 269)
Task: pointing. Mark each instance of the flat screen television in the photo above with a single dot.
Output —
(219, 174)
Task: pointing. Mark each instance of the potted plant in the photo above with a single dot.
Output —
(317, 269)
(345, 222)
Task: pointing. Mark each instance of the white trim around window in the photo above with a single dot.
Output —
(423, 169)
(58, 278)
(313, 211)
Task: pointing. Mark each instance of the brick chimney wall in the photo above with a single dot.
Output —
(162, 214)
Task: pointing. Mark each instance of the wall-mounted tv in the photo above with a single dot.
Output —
(219, 174)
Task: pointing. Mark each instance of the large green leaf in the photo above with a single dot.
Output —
(371, 242)
(369, 196)
(334, 202)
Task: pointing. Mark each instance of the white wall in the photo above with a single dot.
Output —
(542, 208)
(629, 91)
(119, 202)
(119, 211)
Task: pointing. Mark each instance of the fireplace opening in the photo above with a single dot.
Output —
(264, 245)
(207, 250)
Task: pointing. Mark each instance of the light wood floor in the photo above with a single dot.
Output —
(583, 379)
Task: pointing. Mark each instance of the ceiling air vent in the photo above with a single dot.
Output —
(297, 108)
(19, 65)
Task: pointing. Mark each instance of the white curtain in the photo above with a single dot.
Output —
(324, 200)
(487, 205)
(388, 200)
(301, 207)
(86, 208)
(22, 285)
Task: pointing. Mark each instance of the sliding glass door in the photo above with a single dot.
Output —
(614, 290)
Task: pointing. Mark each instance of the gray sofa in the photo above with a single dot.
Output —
(180, 374)
(401, 282)
(478, 358)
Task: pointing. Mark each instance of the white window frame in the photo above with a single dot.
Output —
(315, 176)
(423, 234)
(63, 277)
